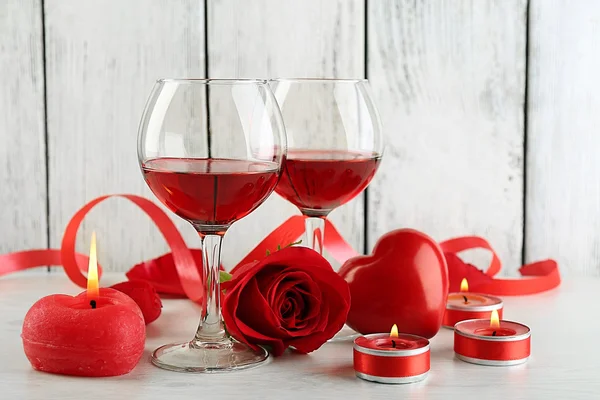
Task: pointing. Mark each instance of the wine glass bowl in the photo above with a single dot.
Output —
(335, 145)
(210, 192)
(211, 150)
(318, 181)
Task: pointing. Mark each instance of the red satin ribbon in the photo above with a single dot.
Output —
(451, 317)
(290, 230)
(391, 367)
(492, 350)
(540, 276)
(537, 277)
(21, 260)
(73, 262)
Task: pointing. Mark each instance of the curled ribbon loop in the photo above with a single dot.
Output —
(182, 257)
(537, 277)
(459, 244)
(74, 263)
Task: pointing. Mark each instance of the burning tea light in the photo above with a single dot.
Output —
(391, 358)
(100, 332)
(492, 341)
(463, 305)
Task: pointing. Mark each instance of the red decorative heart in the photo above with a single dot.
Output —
(404, 282)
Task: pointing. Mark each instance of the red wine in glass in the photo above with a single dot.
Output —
(317, 181)
(210, 191)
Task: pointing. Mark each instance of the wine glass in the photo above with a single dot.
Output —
(334, 146)
(211, 150)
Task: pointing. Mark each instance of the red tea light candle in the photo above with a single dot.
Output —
(391, 358)
(492, 342)
(100, 332)
(463, 305)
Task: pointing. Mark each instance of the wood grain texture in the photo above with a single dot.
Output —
(563, 171)
(554, 371)
(102, 60)
(23, 219)
(449, 81)
(274, 38)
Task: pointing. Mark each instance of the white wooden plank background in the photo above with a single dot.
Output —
(563, 168)
(102, 60)
(274, 38)
(449, 81)
(23, 221)
(448, 77)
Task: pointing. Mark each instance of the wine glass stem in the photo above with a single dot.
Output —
(211, 325)
(315, 228)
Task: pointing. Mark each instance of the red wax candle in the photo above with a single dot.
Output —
(100, 332)
(504, 343)
(463, 306)
(64, 335)
(391, 358)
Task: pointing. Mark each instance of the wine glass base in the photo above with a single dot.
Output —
(206, 358)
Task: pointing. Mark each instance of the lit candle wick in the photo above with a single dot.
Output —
(466, 300)
(393, 343)
(494, 333)
(93, 304)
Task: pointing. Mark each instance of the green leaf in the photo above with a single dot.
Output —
(224, 276)
(294, 243)
(268, 252)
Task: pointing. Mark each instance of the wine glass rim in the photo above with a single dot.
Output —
(319, 80)
(212, 81)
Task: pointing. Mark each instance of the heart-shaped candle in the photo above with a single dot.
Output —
(100, 332)
(404, 282)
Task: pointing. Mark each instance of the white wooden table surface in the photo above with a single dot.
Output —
(565, 361)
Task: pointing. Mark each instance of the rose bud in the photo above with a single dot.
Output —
(292, 297)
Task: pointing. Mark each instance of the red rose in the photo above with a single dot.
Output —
(290, 298)
(144, 294)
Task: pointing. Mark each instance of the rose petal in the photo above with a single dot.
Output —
(458, 269)
(277, 345)
(287, 280)
(312, 296)
(162, 273)
(228, 310)
(306, 298)
(306, 325)
(294, 320)
(145, 296)
(337, 296)
(241, 331)
(256, 312)
(276, 288)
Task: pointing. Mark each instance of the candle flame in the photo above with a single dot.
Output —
(464, 285)
(394, 331)
(495, 320)
(92, 278)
